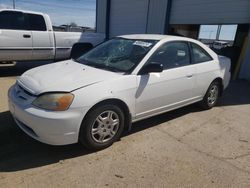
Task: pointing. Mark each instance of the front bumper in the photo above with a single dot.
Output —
(54, 128)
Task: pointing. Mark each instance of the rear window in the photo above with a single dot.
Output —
(36, 22)
(12, 20)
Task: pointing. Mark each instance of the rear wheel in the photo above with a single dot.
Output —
(212, 95)
(102, 127)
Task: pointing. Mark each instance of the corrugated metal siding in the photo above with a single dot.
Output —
(128, 17)
(210, 11)
(101, 16)
(156, 16)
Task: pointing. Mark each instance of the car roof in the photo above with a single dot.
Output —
(151, 37)
(165, 38)
(162, 38)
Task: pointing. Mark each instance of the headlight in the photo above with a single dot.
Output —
(54, 101)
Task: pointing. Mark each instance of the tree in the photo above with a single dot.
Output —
(73, 24)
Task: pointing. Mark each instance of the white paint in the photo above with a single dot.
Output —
(145, 95)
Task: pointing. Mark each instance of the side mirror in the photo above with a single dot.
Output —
(151, 67)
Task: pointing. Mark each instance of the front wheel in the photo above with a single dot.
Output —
(102, 127)
(212, 95)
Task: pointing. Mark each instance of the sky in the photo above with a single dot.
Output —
(82, 12)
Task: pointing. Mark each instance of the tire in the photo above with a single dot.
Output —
(98, 123)
(212, 95)
(79, 49)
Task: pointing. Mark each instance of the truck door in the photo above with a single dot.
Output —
(42, 38)
(15, 38)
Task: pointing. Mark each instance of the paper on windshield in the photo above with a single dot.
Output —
(142, 43)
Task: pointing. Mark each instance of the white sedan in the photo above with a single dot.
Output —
(94, 98)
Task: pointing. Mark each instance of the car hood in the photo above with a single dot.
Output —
(63, 76)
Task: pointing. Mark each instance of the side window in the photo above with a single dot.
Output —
(12, 20)
(36, 22)
(199, 54)
(172, 55)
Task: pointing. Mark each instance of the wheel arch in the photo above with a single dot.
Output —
(220, 80)
(120, 103)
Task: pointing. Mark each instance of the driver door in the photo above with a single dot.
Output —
(158, 92)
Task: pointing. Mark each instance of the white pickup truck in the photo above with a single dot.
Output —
(26, 35)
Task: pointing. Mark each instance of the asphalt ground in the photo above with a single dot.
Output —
(187, 147)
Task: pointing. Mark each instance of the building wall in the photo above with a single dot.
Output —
(156, 16)
(155, 20)
(186, 12)
(210, 11)
(101, 10)
(128, 17)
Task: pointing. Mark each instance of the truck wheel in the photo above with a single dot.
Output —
(212, 95)
(79, 49)
(102, 127)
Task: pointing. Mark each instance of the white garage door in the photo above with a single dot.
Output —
(128, 17)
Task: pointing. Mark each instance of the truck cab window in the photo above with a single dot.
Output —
(36, 22)
(12, 20)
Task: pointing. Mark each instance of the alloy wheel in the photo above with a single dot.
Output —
(213, 95)
(105, 126)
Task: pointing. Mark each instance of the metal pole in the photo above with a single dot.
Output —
(218, 32)
(14, 4)
(167, 17)
(107, 30)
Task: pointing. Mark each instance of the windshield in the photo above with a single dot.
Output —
(118, 54)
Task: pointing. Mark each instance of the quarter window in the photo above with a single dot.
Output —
(12, 20)
(199, 54)
(172, 55)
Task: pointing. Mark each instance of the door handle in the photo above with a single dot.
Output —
(189, 75)
(26, 36)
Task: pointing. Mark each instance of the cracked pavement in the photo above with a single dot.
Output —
(187, 147)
